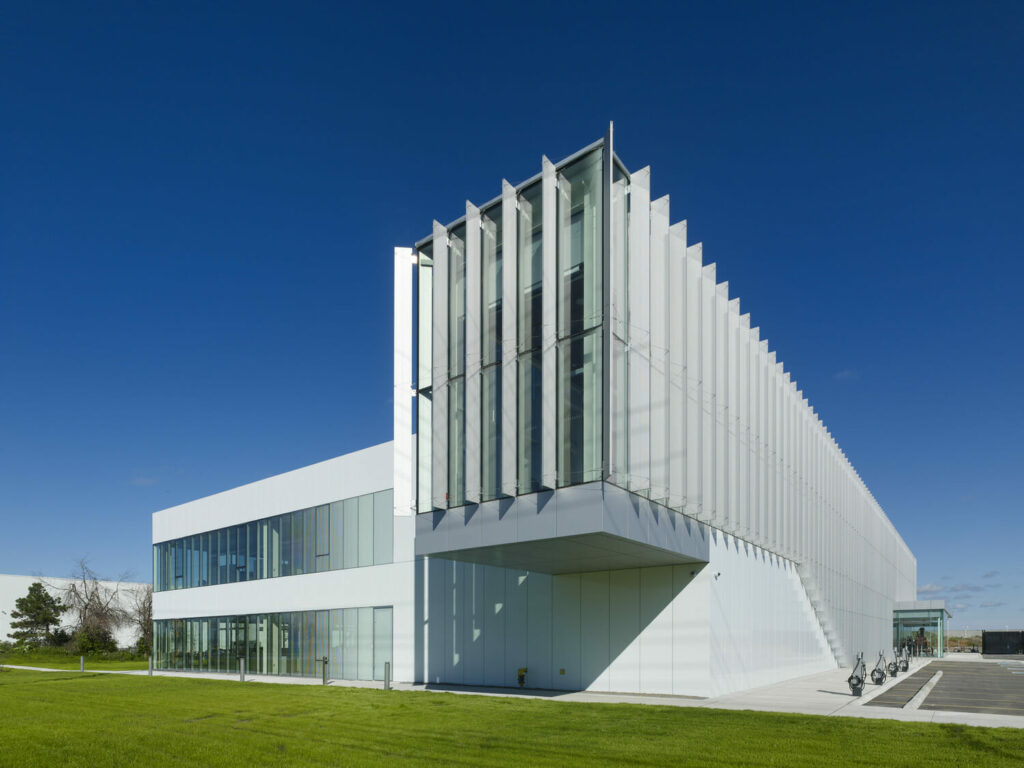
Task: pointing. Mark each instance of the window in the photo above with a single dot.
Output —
(490, 432)
(530, 243)
(579, 409)
(529, 422)
(457, 442)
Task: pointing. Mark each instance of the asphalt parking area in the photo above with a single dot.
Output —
(901, 693)
(995, 688)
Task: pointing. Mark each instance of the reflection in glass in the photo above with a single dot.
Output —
(579, 409)
(456, 442)
(580, 245)
(530, 243)
(529, 422)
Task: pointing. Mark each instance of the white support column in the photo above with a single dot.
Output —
(404, 501)
(549, 332)
(677, 365)
(473, 304)
(439, 399)
(639, 321)
(509, 319)
(659, 450)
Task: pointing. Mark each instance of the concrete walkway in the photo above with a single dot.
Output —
(825, 693)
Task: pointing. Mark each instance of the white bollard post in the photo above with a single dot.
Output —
(81, 663)
(150, 666)
(387, 675)
(241, 669)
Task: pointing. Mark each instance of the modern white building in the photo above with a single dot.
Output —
(13, 587)
(612, 483)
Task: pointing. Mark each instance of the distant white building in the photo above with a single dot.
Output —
(13, 587)
(600, 475)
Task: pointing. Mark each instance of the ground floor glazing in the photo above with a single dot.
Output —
(357, 643)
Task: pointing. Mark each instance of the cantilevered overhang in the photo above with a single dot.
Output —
(591, 527)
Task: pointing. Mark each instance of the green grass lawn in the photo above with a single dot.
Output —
(69, 719)
(56, 658)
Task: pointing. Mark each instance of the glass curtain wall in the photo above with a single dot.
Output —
(344, 534)
(579, 238)
(424, 376)
(356, 641)
(580, 267)
(457, 367)
(530, 241)
(922, 632)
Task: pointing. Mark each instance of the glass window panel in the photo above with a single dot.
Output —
(529, 414)
(337, 508)
(351, 534)
(179, 564)
(309, 540)
(323, 537)
(457, 301)
(424, 449)
(349, 644)
(204, 560)
(457, 442)
(364, 664)
(252, 563)
(381, 642)
(490, 251)
(334, 651)
(274, 553)
(530, 243)
(580, 235)
(366, 529)
(490, 432)
(222, 557)
(232, 537)
(426, 323)
(383, 526)
(298, 541)
(286, 546)
(579, 409)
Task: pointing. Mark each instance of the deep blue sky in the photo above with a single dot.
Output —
(198, 207)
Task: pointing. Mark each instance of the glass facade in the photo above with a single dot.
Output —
(356, 641)
(922, 631)
(574, 200)
(343, 534)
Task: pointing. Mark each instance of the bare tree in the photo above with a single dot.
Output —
(141, 611)
(95, 607)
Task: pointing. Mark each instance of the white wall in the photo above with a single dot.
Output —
(13, 587)
(670, 630)
(343, 477)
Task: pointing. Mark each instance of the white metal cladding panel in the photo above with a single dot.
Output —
(732, 429)
(751, 456)
(624, 631)
(721, 403)
(616, 326)
(474, 296)
(549, 332)
(343, 477)
(694, 412)
(404, 496)
(509, 273)
(707, 376)
(639, 323)
(659, 451)
(494, 624)
(565, 634)
(439, 398)
(677, 366)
